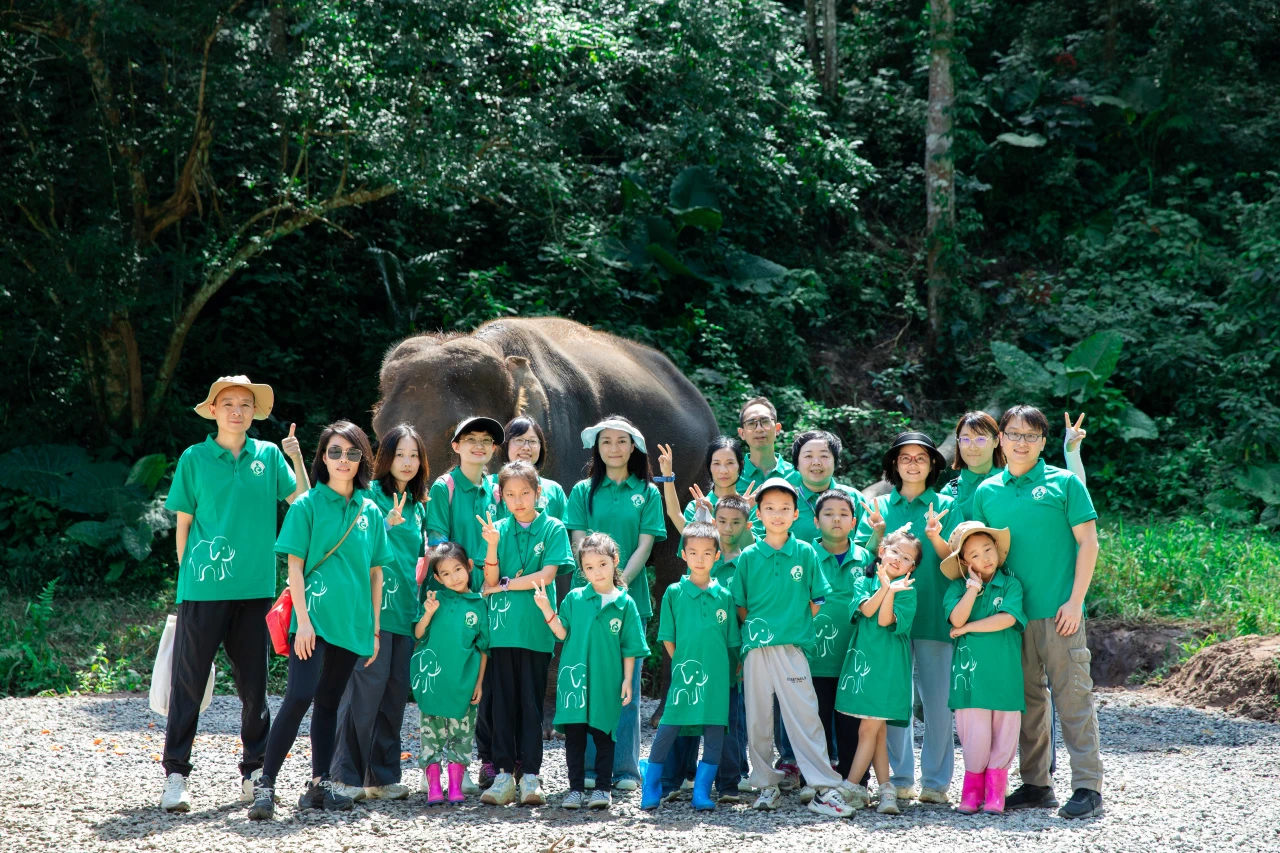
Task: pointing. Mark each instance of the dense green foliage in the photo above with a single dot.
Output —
(300, 183)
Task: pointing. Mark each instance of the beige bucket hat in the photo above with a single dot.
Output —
(263, 397)
(951, 565)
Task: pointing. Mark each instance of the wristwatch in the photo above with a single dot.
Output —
(670, 479)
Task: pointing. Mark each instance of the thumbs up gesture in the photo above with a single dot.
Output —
(290, 444)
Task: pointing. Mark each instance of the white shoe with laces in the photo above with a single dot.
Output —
(246, 786)
(933, 795)
(355, 792)
(769, 800)
(855, 795)
(394, 791)
(175, 797)
(832, 804)
(888, 800)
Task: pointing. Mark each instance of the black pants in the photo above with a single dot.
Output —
(842, 738)
(316, 683)
(519, 686)
(371, 714)
(484, 719)
(575, 752)
(239, 627)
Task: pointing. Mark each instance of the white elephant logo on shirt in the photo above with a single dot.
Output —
(689, 679)
(758, 631)
(390, 586)
(825, 632)
(858, 672)
(498, 613)
(573, 686)
(966, 663)
(424, 679)
(258, 468)
(213, 557)
(315, 589)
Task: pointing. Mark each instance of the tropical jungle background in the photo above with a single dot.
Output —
(878, 213)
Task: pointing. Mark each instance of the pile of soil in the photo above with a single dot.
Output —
(1126, 653)
(1241, 676)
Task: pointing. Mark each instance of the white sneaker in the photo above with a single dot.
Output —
(355, 792)
(830, 803)
(175, 797)
(573, 800)
(906, 792)
(933, 795)
(855, 795)
(769, 800)
(807, 793)
(394, 791)
(888, 800)
(744, 786)
(502, 792)
(531, 791)
(469, 787)
(246, 786)
(600, 800)
(625, 785)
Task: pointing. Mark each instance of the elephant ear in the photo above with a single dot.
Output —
(531, 397)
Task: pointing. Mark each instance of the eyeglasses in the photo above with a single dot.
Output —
(980, 441)
(486, 443)
(1020, 437)
(758, 423)
(895, 554)
(335, 453)
(909, 460)
(525, 442)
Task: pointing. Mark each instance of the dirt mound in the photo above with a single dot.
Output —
(1241, 676)
(1125, 652)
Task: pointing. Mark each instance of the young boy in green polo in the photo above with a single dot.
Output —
(758, 426)
(777, 589)
(225, 492)
(465, 493)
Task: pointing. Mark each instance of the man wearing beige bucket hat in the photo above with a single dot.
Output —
(225, 492)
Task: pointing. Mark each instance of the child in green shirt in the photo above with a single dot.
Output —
(465, 492)
(603, 636)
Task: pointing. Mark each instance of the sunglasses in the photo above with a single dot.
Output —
(335, 453)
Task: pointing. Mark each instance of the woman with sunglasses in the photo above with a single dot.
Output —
(978, 456)
(336, 543)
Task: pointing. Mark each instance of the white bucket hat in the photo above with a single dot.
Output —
(590, 434)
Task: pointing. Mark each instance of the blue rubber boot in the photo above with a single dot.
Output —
(651, 787)
(702, 799)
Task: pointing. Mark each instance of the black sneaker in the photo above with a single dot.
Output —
(487, 775)
(264, 800)
(1083, 803)
(320, 795)
(1031, 797)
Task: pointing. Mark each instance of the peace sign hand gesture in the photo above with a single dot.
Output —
(750, 494)
(488, 530)
(396, 516)
(664, 460)
(933, 522)
(540, 598)
(431, 604)
(874, 518)
(290, 444)
(700, 500)
(1075, 435)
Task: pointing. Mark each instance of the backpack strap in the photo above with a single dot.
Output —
(448, 481)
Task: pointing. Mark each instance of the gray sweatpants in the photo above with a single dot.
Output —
(1065, 660)
(783, 671)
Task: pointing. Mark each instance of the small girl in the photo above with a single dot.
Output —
(448, 670)
(603, 636)
(875, 683)
(525, 550)
(984, 604)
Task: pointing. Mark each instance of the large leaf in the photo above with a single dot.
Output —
(1020, 369)
(41, 469)
(694, 187)
(1135, 423)
(1030, 140)
(96, 488)
(96, 534)
(137, 540)
(1261, 481)
(148, 471)
(669, 262)
(1092, 362)
(706, 218)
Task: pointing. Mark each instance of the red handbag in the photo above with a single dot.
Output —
(281, 613)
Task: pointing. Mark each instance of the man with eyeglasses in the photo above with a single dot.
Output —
(1053, 552)
(759, 429)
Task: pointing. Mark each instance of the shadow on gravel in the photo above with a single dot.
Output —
(130, 712)
(150, 821)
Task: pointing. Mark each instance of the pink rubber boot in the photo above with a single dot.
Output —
(456, 772)
(971, 793)
(997, 781)
(435, 796)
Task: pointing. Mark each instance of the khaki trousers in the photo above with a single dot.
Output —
(1065, 661)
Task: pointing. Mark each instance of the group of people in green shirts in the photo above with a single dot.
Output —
(811, 618)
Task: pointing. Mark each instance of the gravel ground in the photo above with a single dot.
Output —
(83, 774)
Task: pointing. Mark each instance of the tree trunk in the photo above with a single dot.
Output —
(939, 167)
(811, 36)
(830, 74)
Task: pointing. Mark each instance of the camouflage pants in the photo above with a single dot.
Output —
(446, 740)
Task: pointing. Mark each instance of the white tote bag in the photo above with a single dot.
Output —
(161, 676)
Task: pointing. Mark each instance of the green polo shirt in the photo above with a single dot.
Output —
(401, 607)
(986, 667)
(752, 475)
(551, 500)
(338, 592)
(875, 680)
(963, 488)
(832, 629)
(1039, 508)
(233, 501)
(703, 625)
(446, 661)
(806, 526)
(776, 586)
(624, 511)
(515, 620)
(589, 681)
(455, 520)
(931, 584)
